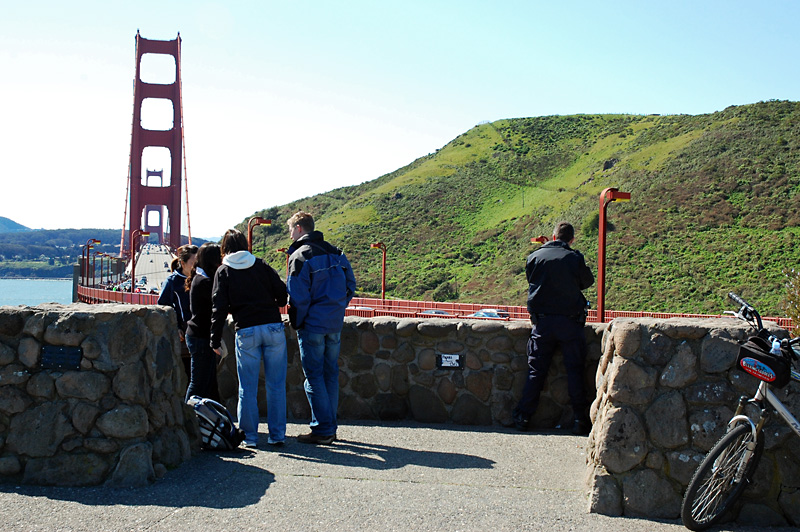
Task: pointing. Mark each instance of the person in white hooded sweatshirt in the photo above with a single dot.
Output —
(252, 292)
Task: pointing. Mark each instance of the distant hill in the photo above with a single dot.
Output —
(52, 252)
(10, 226)
(714, 208)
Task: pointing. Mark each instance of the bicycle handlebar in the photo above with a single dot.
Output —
(740, 301)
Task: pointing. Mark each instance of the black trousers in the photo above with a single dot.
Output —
(550, 333)
(203, 378)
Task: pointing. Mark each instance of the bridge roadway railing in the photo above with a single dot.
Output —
(366, 307)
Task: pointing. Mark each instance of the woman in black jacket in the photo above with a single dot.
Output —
(250, 290)
(203, 378)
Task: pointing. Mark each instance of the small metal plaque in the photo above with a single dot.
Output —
(450, 361)
(61, 357)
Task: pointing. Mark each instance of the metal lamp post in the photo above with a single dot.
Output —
(606, 196)
(382, 247)
(85, 256)
(251, 223)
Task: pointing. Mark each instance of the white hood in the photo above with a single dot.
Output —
(241, 260)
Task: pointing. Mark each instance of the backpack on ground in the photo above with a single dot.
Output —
(217, 428)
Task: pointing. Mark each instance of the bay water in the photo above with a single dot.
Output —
(33, 292)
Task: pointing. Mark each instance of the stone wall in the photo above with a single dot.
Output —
(388, 371)
(117, 419)
(665, 392)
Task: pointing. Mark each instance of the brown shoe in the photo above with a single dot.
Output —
(316, 439)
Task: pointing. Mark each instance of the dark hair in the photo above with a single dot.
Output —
(564, 232)
(209, 258)
(233, 241)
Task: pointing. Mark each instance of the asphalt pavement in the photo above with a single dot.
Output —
(383, 477)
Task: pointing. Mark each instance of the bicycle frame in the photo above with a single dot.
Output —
(764, 393)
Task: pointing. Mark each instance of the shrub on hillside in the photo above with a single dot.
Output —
(793, 299)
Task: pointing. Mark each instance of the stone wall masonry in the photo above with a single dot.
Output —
(665, 392)
(388, 371)
(119, 419)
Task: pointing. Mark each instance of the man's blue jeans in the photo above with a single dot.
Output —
(253, 344)
(319, 355)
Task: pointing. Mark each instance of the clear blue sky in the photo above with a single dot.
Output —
(283, 100)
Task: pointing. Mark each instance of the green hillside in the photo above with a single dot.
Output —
(713, 209)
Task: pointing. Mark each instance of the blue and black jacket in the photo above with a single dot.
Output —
(174, 294)
(320, 284)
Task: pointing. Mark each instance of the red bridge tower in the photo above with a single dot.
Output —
(146, 199)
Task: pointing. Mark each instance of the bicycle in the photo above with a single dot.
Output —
(729, 466)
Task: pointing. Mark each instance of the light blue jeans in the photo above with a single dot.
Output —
(253, 344)
(319, 355)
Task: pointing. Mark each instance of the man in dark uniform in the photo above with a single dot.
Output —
(556, 276)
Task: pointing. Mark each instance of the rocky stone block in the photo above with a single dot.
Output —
(666, 421)
(359, 362)
(391, 407)
(39, 431)
(503, 378)
(708, 425)
(683, 464)
(130, 384)
(400, 380)
(11, 321)
(425, 406)
(9, 465)
(479, 383)
(718, 352)
(646, 494)
(469, 410)
(630, 383)
(83, 385)
(710, 393)
(658, 349)
(404, 353)
(83, 417)
(14, 374)
(621, 440)
(447, 391)
(605, 495)
(364, 385)
(436, 328)
(627, 337)
(125, 421)
(101, 445)
(7, 355)
(352, 407)
(135, 467)
(789, 501)
(13, 400)
(681, 369)
(369, 342)
(759, 515)
(66, 470)
(29, 351)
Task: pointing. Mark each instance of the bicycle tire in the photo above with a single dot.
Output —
(713, 490)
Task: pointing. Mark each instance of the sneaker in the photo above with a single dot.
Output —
(316, 439)
(250, 445)
(275, 443)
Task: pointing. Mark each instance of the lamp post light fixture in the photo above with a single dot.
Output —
(382, 247)
(285, 251)
(606, 196)
(85, 256)
(135, 234)
(251, 223)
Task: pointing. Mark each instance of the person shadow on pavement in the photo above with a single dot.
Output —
(382, 457)
(235, 485)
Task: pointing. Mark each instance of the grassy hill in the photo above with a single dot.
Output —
(714, 208)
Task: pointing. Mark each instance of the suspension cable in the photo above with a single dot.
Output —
(183, 144)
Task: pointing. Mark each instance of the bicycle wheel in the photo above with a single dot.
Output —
(714, 489)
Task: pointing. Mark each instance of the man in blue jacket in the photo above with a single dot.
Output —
(320, 284)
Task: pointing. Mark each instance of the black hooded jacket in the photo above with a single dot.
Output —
(556, 275)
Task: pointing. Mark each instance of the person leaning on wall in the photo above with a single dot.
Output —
(175, 294)
(557, 275)
(250, 290)
(321, 284)
(203, 378)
